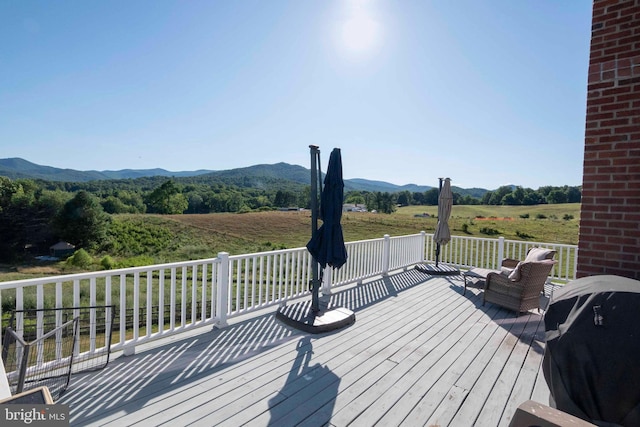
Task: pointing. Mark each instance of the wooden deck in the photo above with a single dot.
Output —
(419, 353)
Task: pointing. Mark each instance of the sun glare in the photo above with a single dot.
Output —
(359, 33)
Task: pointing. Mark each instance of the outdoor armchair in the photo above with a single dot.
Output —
(519, 291)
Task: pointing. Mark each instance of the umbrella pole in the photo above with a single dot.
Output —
(315, 266)
(438, 244)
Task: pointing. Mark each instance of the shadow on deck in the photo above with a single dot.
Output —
(262, 372)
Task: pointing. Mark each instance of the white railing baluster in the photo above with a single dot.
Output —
(92, 315)
(59, 305)
(172, 298)
(194, 294)
(40, 321)
(136, 306)
(123, 309)
(183, 294)
(203, 296)
(76, 310)
(108, 313)
(149, 307)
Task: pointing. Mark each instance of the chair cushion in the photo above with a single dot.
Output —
(506, 270)
(537, 254)
(515, 274)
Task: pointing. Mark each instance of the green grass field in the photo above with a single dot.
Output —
(203, 236)
(545, 223)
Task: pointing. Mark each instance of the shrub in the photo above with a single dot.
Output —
(523, 235)
(8, 304)
(541, 216)
(107, 262)
(524, 216)
(567, 217)
(80, 258)
(489, 231)
(465, 228)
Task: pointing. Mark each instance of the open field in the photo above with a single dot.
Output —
(292, 229)
(203, 236)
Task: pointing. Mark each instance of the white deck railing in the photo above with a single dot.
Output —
(159, 300)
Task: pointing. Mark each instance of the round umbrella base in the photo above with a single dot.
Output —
(440, 270)
(301, 316)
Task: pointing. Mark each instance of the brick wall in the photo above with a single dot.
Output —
(609, 240)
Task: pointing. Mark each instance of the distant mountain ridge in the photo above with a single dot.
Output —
(16, 168)
(254, 176)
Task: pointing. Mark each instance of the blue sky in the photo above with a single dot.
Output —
(486, 92)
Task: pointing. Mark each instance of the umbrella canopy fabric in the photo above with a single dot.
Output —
(327, 243)
(442, 235)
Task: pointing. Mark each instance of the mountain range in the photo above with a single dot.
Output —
(17, 168)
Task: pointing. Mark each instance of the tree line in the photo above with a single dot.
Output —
(36, 214)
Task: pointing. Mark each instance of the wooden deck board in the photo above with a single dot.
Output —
(483, 372)
(418, 353)
(419, 371)
(461, 355)
(499, 396)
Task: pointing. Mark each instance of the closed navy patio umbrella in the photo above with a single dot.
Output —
(327, 248)
(327, 242)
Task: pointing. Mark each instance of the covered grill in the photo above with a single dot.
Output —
(591, 361)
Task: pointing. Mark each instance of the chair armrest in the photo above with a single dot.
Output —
(532, 413)
(510, 262)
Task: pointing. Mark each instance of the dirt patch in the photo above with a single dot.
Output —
(39, 270)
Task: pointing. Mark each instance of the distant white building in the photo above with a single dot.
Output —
(62, 249)
(354, 207)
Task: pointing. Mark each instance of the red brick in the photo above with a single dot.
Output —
(614, 122)
(627, 113)
(622, 51)
(627, 97)
(629, 40)
(616, 90)
(598, 148)
(627, 129)
(598, 100)
(616, 5)
(612, 154)
(629, 146)
(610, 185)
(596, 86)
(606, 216)
(614, 138)
(615, 106)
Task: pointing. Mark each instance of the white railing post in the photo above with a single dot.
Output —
(500, 251)
(222, 298)
(423, 249)
(386, 255)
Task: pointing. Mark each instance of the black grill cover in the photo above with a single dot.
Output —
(592, 355)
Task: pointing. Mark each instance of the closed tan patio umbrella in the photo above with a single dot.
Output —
(442, 236)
